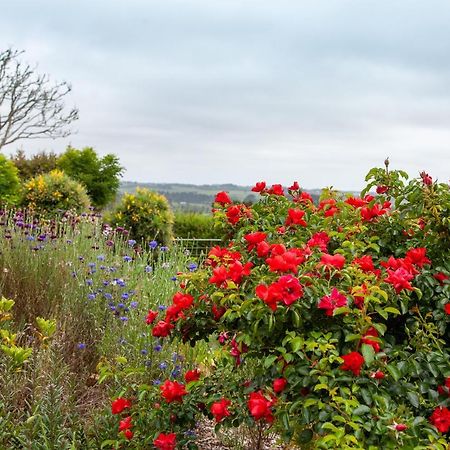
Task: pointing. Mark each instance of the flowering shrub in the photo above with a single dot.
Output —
(329, 323)
(55, 192)
(146, 215)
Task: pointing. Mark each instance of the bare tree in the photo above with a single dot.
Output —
(30, 105)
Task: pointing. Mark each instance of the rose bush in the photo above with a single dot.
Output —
(328, 323)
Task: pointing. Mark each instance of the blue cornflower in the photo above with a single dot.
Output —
(144, 351)
(101, 257)
(127, 258)
(157, 348)
(148, 269)
(192, 267)
(174, 356)
(91, 264)
(156, 382)
(153, 244)
(164, 248)
(89, 282)
(81, 346)
(133, 304)
(91, 296)
(30, 238)
(163, 365)
(175, 373)
(102, 267)
(131, 242)
(121, 305)
(162, 307)
(124, 319)
(173, 278)
(125, 296)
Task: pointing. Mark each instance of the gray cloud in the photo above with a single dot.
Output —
(238, 91)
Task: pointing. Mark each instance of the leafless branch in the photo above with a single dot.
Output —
(31, 106)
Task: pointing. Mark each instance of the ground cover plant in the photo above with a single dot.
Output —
(328, 323)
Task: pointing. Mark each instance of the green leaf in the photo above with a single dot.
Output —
(394, 372)
(413, 398)
(305, 436)
(391, 309)
(269, 361)
(368, 352)
(360, 410)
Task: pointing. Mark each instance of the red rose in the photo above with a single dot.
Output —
(192, 375)
(220, 409)
(447, 308)
(295, 217)
(333, 301)
(151, 316)
(441, 419)
(401, 427)
(279, 384)
(441, 277)
(259, 406)
(417, 256)
(259, 187)
(125, 424)
(382, 189)
(172, 391)
(223, 198)
(378, 375)
(165, 441)
(426, 179)
(253, 239)
(353, 362)
(119, 404)
(128, 434)
(276, 189)
(366, 339)
(337, 261)
(162, 329)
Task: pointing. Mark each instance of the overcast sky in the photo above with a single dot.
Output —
(206, 91)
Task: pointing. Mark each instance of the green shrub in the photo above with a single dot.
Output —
(100, 176)
(146, 215)
(195, 225)
(55, 192)
(9, 181)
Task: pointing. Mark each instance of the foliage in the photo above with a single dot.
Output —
(194, 225)
(37, 164)
(100, 176)
(30, 105)
(342, 310)
(9, 181)
(54, 192)
(146, 215)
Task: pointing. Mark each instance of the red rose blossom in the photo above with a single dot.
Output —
(192, 375)
(279, 384)
(259, 406)
(353, 362)
(441, 419)
(333, 301)
(119, 404)
(172, 391)
(220, 409)
(223, 198)
(165, 441)
(151, 316)
(125, 424)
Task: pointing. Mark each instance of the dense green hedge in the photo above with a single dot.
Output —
(195, 225)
